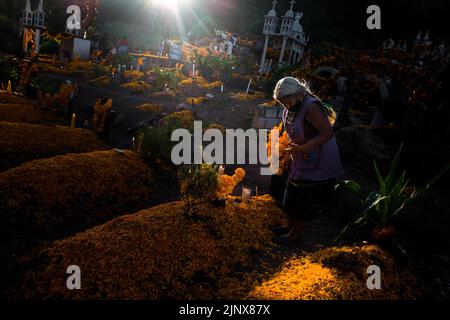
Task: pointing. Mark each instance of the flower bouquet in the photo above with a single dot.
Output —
(282, 144)
(226, 183)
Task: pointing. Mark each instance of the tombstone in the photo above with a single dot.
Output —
(175, 52)
(75, 47)
(266, 117)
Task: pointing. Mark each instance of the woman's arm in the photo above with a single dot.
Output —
(318, 119)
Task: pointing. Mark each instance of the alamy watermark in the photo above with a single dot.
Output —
(73, 282)
(232, 146)
(374, 280)
(374, 20)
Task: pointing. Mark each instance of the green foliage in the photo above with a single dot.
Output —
(246, 65)
(163, 76)
(198, 184)
(46, 85)
(49, 46)
(155, 143)
(213, 67)
(391, 198)
(4, 22)
(14, 75)
(9, 67)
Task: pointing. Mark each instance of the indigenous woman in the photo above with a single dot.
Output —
(315, 160)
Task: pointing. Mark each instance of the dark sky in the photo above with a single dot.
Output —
(341, 21)
(345, 20)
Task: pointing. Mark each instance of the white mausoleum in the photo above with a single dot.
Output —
(284, 35)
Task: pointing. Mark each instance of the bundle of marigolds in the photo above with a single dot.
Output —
(26, 142)
(186, 82)
(226, 183)
(54, 197)
(195, 101)
(283, 142)
(66, 92)
(198, 80)
(155, 254)
(212, 85)
(338, 273)
(101, 109)
(28, 113)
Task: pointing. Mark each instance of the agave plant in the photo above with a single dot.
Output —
(392, 196)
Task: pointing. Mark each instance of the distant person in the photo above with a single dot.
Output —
(140, 63)
(122, 46)
(315, 160)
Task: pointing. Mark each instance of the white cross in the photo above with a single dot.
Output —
(292, 4)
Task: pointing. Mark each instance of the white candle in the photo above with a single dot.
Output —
(221, 88)
(246, 192)
(74, 118)
(248, 87)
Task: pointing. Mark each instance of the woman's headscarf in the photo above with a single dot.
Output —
(289, 86)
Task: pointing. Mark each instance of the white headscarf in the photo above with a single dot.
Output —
(289, 86)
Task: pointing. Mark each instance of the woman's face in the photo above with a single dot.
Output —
(289, 101)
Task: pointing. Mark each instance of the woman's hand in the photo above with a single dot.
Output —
(318, 119)
(293, 148)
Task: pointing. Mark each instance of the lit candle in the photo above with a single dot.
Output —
(246, 192)
(74, 118)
